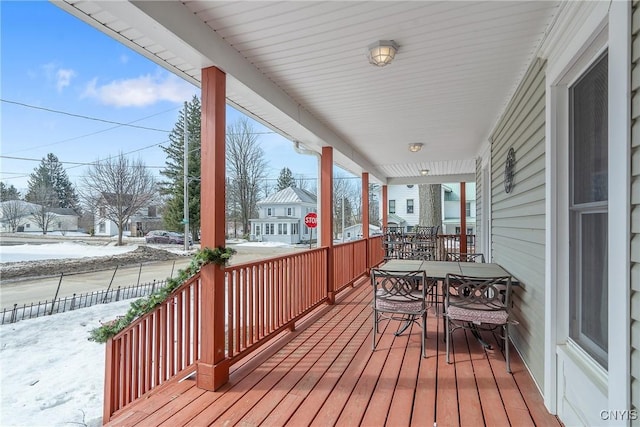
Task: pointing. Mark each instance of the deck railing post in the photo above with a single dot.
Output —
(326, 216)
(365, 218)
(213, 366)
(108, 382)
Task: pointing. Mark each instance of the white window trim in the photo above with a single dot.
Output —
(612, 32)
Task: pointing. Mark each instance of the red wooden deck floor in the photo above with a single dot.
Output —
(326, 374)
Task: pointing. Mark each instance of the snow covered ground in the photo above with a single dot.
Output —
(60, 250)
(50, 374)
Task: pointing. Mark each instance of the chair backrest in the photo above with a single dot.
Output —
(399, 286)
(478, 293)
(465, 257)
(393, 232)
(421, 232)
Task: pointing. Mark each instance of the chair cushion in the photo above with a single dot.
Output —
(495, 317)
(402, 306)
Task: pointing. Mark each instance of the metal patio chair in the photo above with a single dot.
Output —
(400, 295)
(478, 303)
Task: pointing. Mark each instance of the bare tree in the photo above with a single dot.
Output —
(430, 196)
(44, 197)
(246, 167)
(345, 196)
(374, 205)
(118, 188)
(302, 183)
(14, 213)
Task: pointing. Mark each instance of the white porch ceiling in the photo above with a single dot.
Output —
(300, 68)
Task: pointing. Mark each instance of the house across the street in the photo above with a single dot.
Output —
(281, 217)
(21, 216)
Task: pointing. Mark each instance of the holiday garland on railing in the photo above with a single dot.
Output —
(219, 255)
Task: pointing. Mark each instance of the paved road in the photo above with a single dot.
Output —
(41, 289)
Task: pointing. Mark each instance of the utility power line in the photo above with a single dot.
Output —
(50, 110)
(89, 134)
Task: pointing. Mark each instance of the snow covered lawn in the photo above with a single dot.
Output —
(51, 374)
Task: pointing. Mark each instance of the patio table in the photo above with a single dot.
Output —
(438, 270)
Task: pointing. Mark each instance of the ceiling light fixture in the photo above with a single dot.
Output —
(424, 172)
(414, 147)
(382, 52)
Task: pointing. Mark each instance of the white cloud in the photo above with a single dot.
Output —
(60, 77)
(141, 91)
(63, 78)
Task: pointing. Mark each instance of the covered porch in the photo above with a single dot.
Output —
(324, 373)
(477, 91)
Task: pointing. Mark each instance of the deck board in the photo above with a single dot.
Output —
(326, 374)
(487, 387)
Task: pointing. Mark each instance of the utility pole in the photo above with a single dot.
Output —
(342, 218)
(185, 190)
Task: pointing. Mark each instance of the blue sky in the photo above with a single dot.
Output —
(55, 68)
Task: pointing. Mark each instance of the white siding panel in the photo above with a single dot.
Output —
(518, 219)
(635, 215)
(479, 201)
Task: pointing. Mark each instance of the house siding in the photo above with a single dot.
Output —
(401, 193)
(518, 217)
(635, 211)
(479, 201)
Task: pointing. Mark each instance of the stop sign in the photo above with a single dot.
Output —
(311, 220)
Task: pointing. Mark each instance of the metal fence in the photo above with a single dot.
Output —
(60, 305)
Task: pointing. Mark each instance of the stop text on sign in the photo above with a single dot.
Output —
(311, 220)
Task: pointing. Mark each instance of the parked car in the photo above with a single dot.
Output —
(164, 236)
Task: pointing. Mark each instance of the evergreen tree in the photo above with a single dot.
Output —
(8, 193)
(285, 180)
(173, 187)
(51, 179)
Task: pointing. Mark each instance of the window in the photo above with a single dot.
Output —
(103, 211)
(257, 230)
(268, 211)
(279, 228)
(392, 206)
(295, 228)
(450, 196)
(467, 209)
(588, 211)
(271, 228)
(409, 206)
(27, 225)
(266, 229)
(457, 230)
(291, 211)
(102, 228)
(284, 228)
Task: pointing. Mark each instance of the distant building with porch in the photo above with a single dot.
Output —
(403, 207)
(281, 217)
